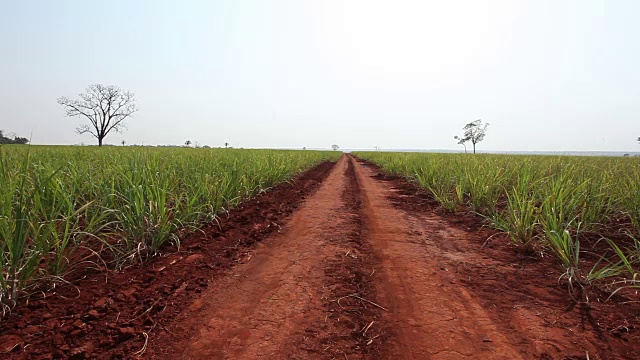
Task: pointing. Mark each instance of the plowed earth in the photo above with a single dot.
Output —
(366, 267)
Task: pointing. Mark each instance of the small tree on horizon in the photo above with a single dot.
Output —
(187, 143)
(475, 132)
(335, 147)
(461, 141)
(106, 108)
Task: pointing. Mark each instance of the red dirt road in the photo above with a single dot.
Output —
(431, 315)
(277, 304)
(353, 275)
(350, 265)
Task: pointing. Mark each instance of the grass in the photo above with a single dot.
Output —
(55, 201)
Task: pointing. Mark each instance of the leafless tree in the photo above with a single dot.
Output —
(335, 147)
(474, 132)
(106, 108)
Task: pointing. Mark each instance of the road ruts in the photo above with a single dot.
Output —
(280, 303)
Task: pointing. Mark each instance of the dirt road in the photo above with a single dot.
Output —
(282, 302)
(342, 262)
(354, 276)
(431, 316)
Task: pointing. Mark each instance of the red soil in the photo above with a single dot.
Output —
(284, 302)
(520, 295)
(367, 267)
(108, 316)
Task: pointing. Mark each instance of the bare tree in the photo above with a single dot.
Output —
(475, 132)
(335, 147)
(106, 108)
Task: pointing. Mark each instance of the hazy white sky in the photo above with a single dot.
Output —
(547, 75)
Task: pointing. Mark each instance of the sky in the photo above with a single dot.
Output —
(547, 75)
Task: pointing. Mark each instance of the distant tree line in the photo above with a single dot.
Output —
(16, 139)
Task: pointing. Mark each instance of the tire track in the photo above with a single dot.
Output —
(430, 316)
(292, 297)
(351, 276)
